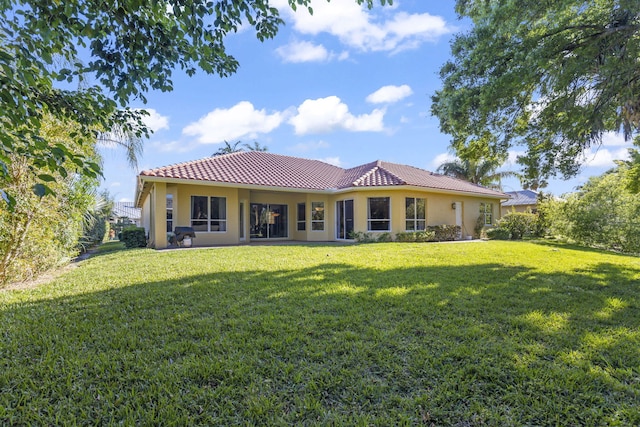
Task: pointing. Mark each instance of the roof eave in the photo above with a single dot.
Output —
(230, 184)
(145, 178)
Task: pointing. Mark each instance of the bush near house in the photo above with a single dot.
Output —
(518, 224)
(443, 233)
(416, 236)
(498, 234)
(134, 237)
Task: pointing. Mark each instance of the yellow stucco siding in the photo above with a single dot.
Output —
(439, 211)
(182, 213)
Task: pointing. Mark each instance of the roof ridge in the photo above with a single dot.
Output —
(370, 172)
(404, 181)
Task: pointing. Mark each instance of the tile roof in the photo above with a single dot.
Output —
(273, 170)
(125, 210)
(520, 198)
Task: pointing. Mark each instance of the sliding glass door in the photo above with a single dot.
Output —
(344, 218)
(268, 221)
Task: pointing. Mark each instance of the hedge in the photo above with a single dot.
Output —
(134, 237)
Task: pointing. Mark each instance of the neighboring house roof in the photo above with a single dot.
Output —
(259, 168)
(521, 198)
(125, 210)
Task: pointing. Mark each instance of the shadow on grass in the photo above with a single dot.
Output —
(332, 345)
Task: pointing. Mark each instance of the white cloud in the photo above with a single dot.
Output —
(155, 121)
(614, 139)
(360, 28)
(114, 184)
(405, 120)
(125, 199)
(440, 159)
(389, 94)
(304, 51)
(305, 147)
(605, 158)
(330, 113)
(335, 161)
(240, 121)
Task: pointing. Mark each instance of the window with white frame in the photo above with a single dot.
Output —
(486, 212)
(379, 214)
(209, 213)
(169, 213)
(317, 216)
(302, 217)
(415, 214)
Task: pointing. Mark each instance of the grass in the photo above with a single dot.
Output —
(492, 333)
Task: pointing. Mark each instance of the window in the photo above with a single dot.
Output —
(302, 215)
(486, 211)
(218, 214)
(379, 214)
(208, 213)
(416, 218)
(317, 216)
(169, 213)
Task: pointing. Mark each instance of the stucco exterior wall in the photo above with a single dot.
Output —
(439, 211)
(182, 213)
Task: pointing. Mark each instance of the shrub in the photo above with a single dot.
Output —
(406, 236)
(443, 233)
(425, 236)
(361, 237)
(384, 237)
(518, 224)
(134, 237)
(498, 233)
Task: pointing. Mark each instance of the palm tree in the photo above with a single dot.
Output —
(482, 172)
(228, 148)
(255, 146)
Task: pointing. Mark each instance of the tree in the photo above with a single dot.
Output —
(228, 148)
(132, 46)
(41, 231)
(603, 213)
(482, 172)
(550, 76)
(255, 146)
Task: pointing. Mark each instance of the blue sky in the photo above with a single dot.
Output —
(347, 86)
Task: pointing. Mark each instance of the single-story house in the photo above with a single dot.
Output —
(520, 201)
(256, 196)
(125, 213)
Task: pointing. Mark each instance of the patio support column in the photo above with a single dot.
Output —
(160, 211)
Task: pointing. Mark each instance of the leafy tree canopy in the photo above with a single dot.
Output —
(132, 46)
(553, 76)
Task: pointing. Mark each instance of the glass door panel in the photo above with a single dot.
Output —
(344, 216)
(268, 221)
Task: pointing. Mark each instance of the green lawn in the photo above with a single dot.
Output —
(479, 333)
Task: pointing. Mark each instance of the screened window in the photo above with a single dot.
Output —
(208, 213)
(486, 212)
(169, 212)
(416, 218)
(379, 214)
(302, 217)
(317, 216)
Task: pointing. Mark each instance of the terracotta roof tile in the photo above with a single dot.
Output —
(273, 170)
